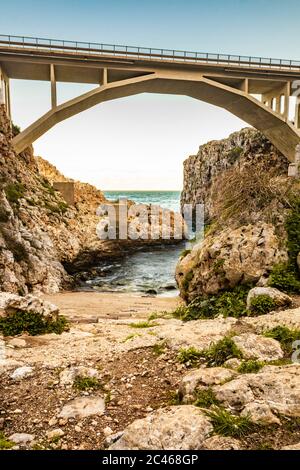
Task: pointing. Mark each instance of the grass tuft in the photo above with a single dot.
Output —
(143, 324)
(86, 383)
(190, 356)
(251, 366)
(229, 425)
(205, 398)
(218, 353)
(285, 336)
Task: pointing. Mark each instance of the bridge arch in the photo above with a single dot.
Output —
(282, 133)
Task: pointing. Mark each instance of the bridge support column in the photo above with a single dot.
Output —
(5, 92)
(104, 77)
(294, 168)
(297, 113)
(53, 87)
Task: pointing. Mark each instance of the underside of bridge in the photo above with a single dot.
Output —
(261, 96)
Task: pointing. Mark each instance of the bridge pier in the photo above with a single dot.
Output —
(5, 91)
(53, 87)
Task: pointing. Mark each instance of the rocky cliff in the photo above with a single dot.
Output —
(252, 211)
(246, 147)
(42, 239)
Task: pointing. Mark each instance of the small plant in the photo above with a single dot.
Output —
(86, 383)
(184, 253)
(5, 444)
(285, 278)
(218, 353)
(143, 324)
(206, 398)
(14, 192)
(15, 129)
(285, 336)
(262, 304)
(174, 398)
(186, 281)
(159, 348)
(230, 303)
(58, 208)
(32, 323)
(190, 356)
(251, 366)
(130, 337)
(229, 425)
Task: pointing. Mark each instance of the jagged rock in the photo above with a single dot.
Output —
(275, 389)
(280, 299)
(22, 373)
(69, 375)
(83, 407)
(21, 438)
(198, 333)
(260, 413)
(201, 378)
(241, 148)
(221, 443)
(233, 363)
(55, 433)
(30, 304)
(258, 347)
(292, 447)
(172, 428)
(228, 258)
(17, 343)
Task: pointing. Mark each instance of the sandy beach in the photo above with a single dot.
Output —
(88, 307)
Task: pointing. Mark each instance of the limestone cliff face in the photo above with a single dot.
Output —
(246, 147)
(243, 183)
(42, 239)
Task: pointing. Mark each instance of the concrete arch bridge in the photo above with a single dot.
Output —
(263, 92)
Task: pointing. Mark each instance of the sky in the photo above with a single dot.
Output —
(141, 142)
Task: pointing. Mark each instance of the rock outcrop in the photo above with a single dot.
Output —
(243, 183)
(243, 148)
(43, 240)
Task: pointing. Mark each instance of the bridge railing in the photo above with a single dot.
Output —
(96, 49)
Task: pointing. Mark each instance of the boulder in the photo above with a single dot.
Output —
(292, 447)
(202, 378)
(229, 258)
(221, 443)
(21, 438)
(273, 390)
(22, 373)
(280, 299)
(172, 428)
(69, 375)
(30, 304)
(83, 407)
(258, 347)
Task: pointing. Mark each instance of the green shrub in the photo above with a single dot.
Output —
(251, 366)
(220, 352)
(143, 324)
(159, 348)
(229, 425)
(58, 208)
(15, 129)
(14, 192)
(184, 253)
(4, 215)
(86, 383)
(31, 323)
(5, 444)
(206, 398)
(230, 303)
(285, 336)
(191, 356)
(285, 278)
(262, 304)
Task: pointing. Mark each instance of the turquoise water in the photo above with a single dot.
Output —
(166, 199)
(151, 271)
